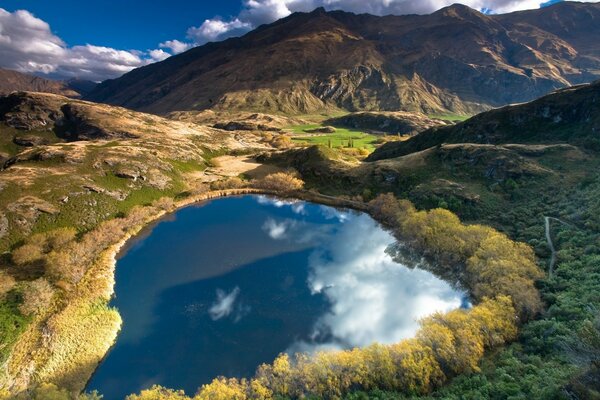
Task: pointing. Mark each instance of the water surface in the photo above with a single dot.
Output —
(220, 288)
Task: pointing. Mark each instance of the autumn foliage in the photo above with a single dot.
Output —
(488, 263)
(499, 273)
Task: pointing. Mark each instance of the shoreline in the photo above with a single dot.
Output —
(115, 251)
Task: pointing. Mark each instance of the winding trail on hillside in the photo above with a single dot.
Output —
(551, 246)
(552, 262)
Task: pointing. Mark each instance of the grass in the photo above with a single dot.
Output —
(12, 323)
(7, 134)
(450, 117)
(341, 138)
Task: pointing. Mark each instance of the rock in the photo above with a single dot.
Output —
(244, 126)
(29, 141)
(94, 188)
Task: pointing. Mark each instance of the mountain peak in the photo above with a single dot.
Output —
(457, 10)
(457, 60)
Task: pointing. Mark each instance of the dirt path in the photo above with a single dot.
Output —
(552, 262)
(551, 246)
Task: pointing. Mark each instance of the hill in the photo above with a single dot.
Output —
(455, 60)
(12, 81)
(392, 122)
(566, 116)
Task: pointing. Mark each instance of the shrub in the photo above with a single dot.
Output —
(7, 283)
(27, 254)
(37, 296)
(280, 182)
(229, 183)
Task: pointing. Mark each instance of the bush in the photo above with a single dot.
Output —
(280, 182)
(7, 283)
(229, 183)
(37, 296)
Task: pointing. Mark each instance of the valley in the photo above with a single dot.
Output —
(352, 207)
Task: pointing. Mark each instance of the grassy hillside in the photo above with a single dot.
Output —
(567, 116)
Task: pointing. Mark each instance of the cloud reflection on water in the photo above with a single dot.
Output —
(373, 298)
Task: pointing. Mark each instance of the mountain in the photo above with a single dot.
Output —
(569, 115)
(455, 60)
(12, 81)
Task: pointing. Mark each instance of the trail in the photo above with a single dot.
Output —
(551, 244)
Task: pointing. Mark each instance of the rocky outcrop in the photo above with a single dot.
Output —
(29, 141)
(244, 126)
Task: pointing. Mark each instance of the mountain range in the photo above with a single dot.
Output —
(456, 60)
(11, 81)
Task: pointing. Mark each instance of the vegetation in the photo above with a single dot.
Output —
(341, 138)
(55, 281)
(282, 182)
(500, 274)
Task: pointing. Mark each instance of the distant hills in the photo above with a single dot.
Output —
(567, 116)
(456, 60)
(11, 81)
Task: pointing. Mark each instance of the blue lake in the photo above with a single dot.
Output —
(219, 288)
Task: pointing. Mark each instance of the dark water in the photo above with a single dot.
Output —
(220, 288)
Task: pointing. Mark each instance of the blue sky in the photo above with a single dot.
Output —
(123, 24)
(100, 39)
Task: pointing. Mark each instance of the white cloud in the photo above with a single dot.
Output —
(217, 29)
(224, 304)
(175, 46)
(27, 44)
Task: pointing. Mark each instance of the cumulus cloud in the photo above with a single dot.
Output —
(27, 44)
(373, 298)
(216, 28)
(158, 54)
(175, 46)
(224, 304)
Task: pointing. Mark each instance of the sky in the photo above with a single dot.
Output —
(98, 39)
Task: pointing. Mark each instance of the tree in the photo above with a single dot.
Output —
(418, 371)
(223, 389)
(157, 392)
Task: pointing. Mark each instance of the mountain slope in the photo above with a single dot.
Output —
(566, 116)
(454, 60)
(12, 81)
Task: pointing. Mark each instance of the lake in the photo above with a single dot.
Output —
(219, 288)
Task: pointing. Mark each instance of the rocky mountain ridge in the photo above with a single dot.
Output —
(456, 60)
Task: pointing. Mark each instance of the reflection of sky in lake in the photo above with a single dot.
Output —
(220, 288)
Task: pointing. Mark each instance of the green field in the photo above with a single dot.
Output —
(450, 117)
(341, 138)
